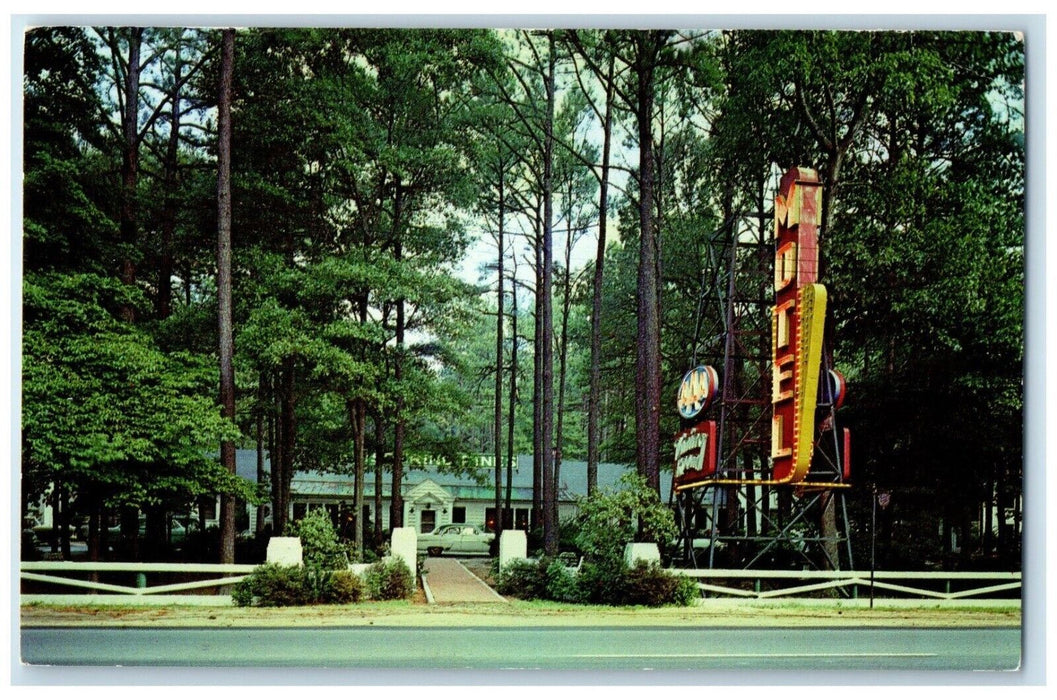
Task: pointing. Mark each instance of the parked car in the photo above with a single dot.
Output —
(456, 538)
(180, 528)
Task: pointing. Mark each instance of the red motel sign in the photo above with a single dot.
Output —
(798, 319)
(797, 327)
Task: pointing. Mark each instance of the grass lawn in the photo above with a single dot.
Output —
(710, 613)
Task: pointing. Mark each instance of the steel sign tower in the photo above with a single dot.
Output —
(760, 457)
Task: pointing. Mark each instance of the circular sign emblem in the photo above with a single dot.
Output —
(699, 387)
(832, 388)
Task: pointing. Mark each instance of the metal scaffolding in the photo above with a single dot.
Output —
(740, 517)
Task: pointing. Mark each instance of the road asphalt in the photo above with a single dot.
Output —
(532, 648)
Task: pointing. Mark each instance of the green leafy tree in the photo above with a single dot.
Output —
(911, 132)
(611, 519)
(67, 222)
(106, 415)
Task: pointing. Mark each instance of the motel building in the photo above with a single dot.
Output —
(433, 497)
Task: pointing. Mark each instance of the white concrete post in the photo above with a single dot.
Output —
(285, 551)
(513, 544)
(404, 545)
(641, 551)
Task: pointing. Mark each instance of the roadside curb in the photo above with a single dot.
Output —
(429, 594)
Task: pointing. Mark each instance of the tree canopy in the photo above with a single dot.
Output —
(602, 177)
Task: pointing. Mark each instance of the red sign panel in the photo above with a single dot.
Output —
(797, 324)
(695, 453)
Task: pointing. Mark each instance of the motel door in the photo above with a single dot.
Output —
(427, 521)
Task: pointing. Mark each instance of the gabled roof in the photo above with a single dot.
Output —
(426, 490)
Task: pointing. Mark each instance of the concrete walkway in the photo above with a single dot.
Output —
(448, 581)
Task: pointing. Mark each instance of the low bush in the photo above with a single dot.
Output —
(648, 584)
(601, 582)
(272, 585)
(523, 578)
(686, 591)
(389, 579)
(346, 587)
(560, 583)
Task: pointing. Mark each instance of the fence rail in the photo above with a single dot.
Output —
(716, 582)
(60, 574)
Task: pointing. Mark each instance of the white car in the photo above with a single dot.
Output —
(456, 538)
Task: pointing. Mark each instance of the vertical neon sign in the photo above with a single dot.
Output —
(798, 317)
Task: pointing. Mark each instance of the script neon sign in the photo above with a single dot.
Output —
(798, 318)
(695, 452)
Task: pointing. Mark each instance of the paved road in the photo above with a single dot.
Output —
(838, 649)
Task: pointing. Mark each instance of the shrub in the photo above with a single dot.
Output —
(686, 591)
(560, 583)
(609, 520)
(602, 581)
(316, 585)
(389, 579)
(345, 587)
(271, 585)
(649, 584)
(320, 547)
(543, 579)
(605, 581)
(523, 578)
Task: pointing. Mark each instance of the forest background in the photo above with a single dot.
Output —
(364, 164)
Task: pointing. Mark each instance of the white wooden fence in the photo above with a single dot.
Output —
(72, 574)
(713, 583)
(939, 585)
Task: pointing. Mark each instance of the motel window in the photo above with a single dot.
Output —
(458, 514)
(512, 518)
(300, 510)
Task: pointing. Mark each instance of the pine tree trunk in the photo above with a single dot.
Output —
(562, 355)
(379, 457)
(130, 164)
(358, 418)
(647, 360)
(396, 501)
(497, 421)
(550, 526)
(163, 304)
(227, 347)
(288, 434)
(275, 445)
(261, 398)
(593, 407)
(511, 454)
(537, 386)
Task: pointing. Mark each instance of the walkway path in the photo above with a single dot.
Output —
(448, 581)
